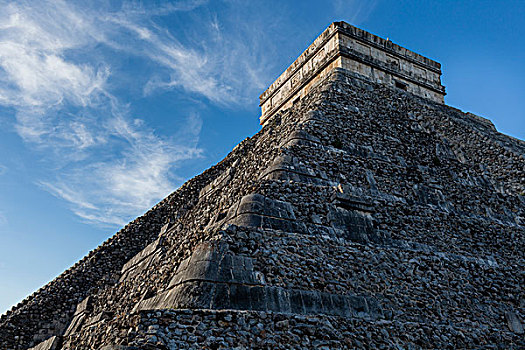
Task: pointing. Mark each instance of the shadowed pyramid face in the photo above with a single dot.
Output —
(363, 216)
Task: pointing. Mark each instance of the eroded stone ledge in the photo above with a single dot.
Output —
(225, 296)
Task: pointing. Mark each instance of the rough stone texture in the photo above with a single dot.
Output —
(362, 217)
(225, 329)
(52, 343)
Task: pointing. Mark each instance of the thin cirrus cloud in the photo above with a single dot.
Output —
(225, 66)
(131, 183)
(107, 164)
(59, 74)
(34, 71)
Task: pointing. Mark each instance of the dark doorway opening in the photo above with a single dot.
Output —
(401, 85)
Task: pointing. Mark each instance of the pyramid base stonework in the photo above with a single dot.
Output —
(224, 329)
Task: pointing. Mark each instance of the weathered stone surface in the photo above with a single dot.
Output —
(49, 344)
(262, 330)
(344, 46)
(514, 322)
(361, 217)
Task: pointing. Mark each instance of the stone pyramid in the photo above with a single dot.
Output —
(365, 214)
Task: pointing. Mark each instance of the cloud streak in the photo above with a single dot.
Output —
(60, 74)
(134, 182)
(223, 65)
(106, 164)
(34, 72)
(355, 11)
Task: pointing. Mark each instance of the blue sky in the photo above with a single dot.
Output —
(106, 108)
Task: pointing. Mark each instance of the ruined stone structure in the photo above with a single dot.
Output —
(362, 215)
(344, 46)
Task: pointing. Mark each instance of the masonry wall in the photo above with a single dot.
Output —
(318, 43)
(306, 67)
(383, 77)
(296, 92)
(375, 219)
(388, 68)
(363, 53)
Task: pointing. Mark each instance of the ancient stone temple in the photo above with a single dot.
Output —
(365, 214)
(344, 46)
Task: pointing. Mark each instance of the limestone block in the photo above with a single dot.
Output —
(75, 324)
(350, 202)
(326, 301)
(79, 317)
(221, 298)
(219, 295)
(353, 225)
(240, 297)
(296, 302)
(52, 343)
(278, 299)
(258, 298)
(225, 273)
(514, 322)
(150, 249)
(340, 305)
(164, 229)
(358, 305)
(296, 137)
(192, 295)
(209, 263)
(101, 316)
(312, 302)
(256, 203)
(84, 305)
(221, 181)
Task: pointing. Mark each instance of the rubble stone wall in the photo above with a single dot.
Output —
(227, 329)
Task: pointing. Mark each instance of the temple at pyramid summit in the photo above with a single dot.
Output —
(357, 51)
(366, 213)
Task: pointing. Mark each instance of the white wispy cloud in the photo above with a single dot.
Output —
(108, 165)
(221, 64)
(133, 182)
(354, 11)
(59, 72)
(225, 66)
(141, 8)
(33, 42)
(3, 169)
(36, 78)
